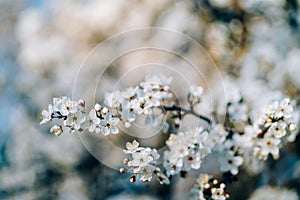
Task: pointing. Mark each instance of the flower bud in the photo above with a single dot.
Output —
(81, 102)
(122, 170)
(292, 127)
(97, 107)
(132, 179)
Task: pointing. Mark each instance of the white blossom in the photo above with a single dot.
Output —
(196, 91)
(268, 146)
(208, 188)
(238, 111)
(97, 107)
(56, 129)
(94, 121)
(75, 120)
(141, 159)
(47, 114)
(143, 163)
(113, 100)
(186, 150)
(218, 194)
(108, 124)
(131, 147)
(278, 129)
(284, 109)
(65, 105)
(230, 162)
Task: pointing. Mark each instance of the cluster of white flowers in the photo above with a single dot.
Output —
(140, 99)
(71, 114)
(208, 188)
(187, 150)
(230, 161)
(237, 141)
(143, 163)
(245, 48)
(127, 103)
(273, 128)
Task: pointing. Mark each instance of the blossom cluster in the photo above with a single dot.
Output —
(238, 34)
(122, 106)
(275, 126)
(187, 150)
(143, 163)
(133, 101)
(70, 114)
(240, 140)
(208, 188)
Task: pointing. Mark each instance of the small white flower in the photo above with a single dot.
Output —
(177, 121)
(129, 93)
(155, 154)
(218, 194)
(196, 91)
(230, 162)
(268, 145)
(278, 129)
(245, 141)
(71, 106)
(65, 105)
(238, 111)
(284, 109)
(165, 92)
(292, 126)
(158, 79)
(56, 129)
(180, 150)
(108, 124)
(172, 140)
(152, 99)
(146, 173)
(131, 147)
(271, 108)
(75, 120)
(113, 100)
(47, 114)
(141, 159)
(194, 161)
(97, 107)
(60, 106)
(130, 110)
(94, 121)
(264, 120)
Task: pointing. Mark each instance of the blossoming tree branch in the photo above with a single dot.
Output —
(239, 140)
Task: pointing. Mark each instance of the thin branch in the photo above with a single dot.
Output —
(179, 109)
